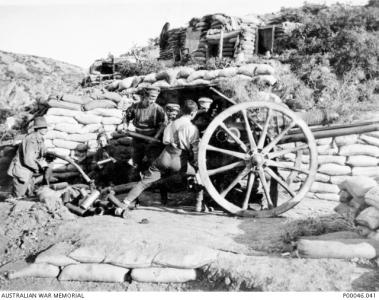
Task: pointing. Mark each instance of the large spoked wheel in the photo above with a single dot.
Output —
(250, 167)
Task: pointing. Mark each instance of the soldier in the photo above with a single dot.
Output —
(148, 119)
(204, 104)
(29, 161)
(172, 111)
(203, 117)
(102, 164)
(181, 139)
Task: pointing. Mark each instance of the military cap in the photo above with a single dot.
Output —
(173, 106)
(205, 100)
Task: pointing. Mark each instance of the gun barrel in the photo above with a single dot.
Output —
(332, 131)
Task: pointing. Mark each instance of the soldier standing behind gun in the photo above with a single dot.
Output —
(181, 139)
(29, 161)
(148, 119)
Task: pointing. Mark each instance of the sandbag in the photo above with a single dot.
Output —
(357, 186)
(168, 75)
(346, 140)
(87, 118)
(338, 179)
(362, 161)
(48, 143)
(370, 140)
(372, 197)
(365, 171)
(57, 255)
(324, 141)
(81, 138)
(163, 275)
(76, 99)
(264, 69)
(110, 96)
(161, 84)
(59, 151)
(337, 235)
(334, 169)
(326, 150)
(196, 75)
(93, 272)
(36, 270)
(133, 256)
(184, 72)
(88, 254)
(359, 149)
(212, 74)
(63, 104)
(126, 83)
(113, 85)
(320, 187)
(346, 248)
(66, 144)
(335, 159)
(61, 112)
(369, 217)
(186, 257)
(373, 134)
(60, 119)
(54, 134)
(150, 78)
(68, 128)
(199, 82)
(227, 72)
(110, 112)
(111, 121)
(346, 211)
(99, 104)
(248, 70)
(90, 128)
(374, 235)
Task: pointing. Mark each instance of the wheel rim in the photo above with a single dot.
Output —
(257, 157)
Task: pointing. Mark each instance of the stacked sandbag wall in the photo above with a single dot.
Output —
(359, 204)
(187, 76)
(247, 38)
(176, 41)
(341, 158)
(119, 263)
(74, 123)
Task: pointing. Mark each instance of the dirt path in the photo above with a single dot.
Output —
(256, 254)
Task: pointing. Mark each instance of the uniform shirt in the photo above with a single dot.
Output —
(28, 157)
(182, 134)
(147, 120)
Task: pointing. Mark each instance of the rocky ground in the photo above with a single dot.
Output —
(255, 254)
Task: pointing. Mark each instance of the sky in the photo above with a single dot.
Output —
(80, 31)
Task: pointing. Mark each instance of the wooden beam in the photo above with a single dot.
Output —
(221, 44)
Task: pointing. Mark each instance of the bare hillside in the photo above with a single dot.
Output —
(25, 77)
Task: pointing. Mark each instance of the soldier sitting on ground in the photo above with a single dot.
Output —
(102, 164)
(29, 161)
